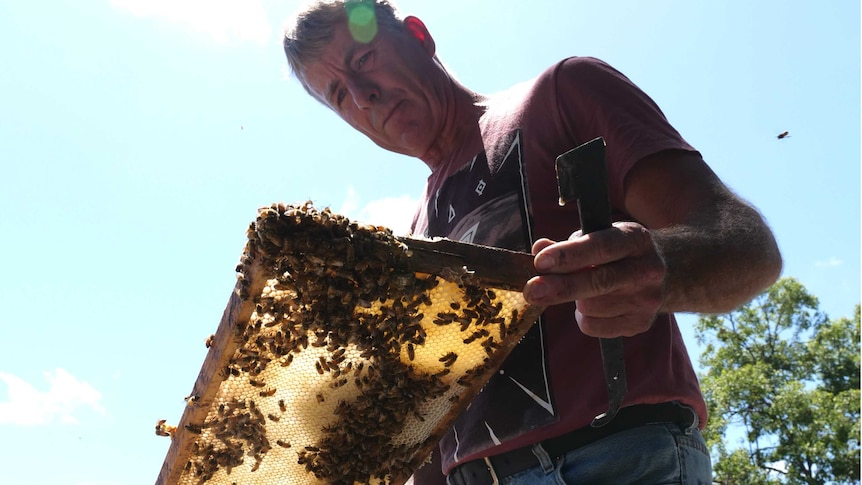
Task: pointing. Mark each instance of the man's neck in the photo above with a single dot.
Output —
(460, 130)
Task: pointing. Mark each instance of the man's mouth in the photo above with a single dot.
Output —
(391, 113)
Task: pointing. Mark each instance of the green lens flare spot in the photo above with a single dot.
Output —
(362, 21)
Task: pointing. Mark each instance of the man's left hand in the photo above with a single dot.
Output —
(615, 277)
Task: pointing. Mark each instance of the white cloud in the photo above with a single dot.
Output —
(223, 20)
(396, 213)
(65, 395)
(831, 263)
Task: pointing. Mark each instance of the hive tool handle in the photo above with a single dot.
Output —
(582, 175)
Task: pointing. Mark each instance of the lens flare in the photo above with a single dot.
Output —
(362, 21)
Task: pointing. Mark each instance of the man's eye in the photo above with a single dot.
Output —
(362, 60)
(340, 96)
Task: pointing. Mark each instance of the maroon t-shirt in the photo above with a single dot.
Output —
(506, 195)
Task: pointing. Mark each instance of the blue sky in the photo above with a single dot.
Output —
(138, 138)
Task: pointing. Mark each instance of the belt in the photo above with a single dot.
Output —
(488, 470)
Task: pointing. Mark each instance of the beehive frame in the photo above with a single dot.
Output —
(343, 355)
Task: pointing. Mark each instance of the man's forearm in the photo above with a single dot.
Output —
(717, 265)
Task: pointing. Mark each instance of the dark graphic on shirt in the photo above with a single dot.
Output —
(486, 203)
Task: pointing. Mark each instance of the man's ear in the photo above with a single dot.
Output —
(417, 29)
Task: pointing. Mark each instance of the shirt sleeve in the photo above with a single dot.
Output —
(595, 99)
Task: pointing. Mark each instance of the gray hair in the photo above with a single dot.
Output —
(311, 29)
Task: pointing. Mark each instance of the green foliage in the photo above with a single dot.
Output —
(782, 389)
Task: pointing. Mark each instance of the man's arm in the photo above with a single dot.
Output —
(718, 250)
(697, 248)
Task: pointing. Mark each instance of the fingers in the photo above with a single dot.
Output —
(541, 244)
(613, 281)
(615, 277)
(621, 326)
(624, 239)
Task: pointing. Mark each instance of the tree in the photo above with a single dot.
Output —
(781, 382)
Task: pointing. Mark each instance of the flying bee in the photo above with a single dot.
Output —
(783, 134)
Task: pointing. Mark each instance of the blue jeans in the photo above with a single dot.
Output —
(653, 454)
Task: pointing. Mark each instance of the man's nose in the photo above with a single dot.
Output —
(364, 93)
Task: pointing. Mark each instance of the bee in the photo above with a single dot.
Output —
(209, 341)
(283, 444)
(194, 428)
(476, 335)
(442, 373)
(256, 383)
(320, 398)
(281, 405)
(425, 299)
(783, 134)
(490, 345)
(267, 392)
(449, 359)
(446, 317)
(411, 353)
(464, 381)
(163, 429)
(339, 383)
(272, 417)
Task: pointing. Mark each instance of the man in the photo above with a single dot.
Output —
(681, 242)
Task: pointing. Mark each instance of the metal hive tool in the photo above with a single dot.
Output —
(344, 353)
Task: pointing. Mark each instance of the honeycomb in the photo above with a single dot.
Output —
(336, 361)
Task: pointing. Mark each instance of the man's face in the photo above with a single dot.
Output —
(390, 89)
